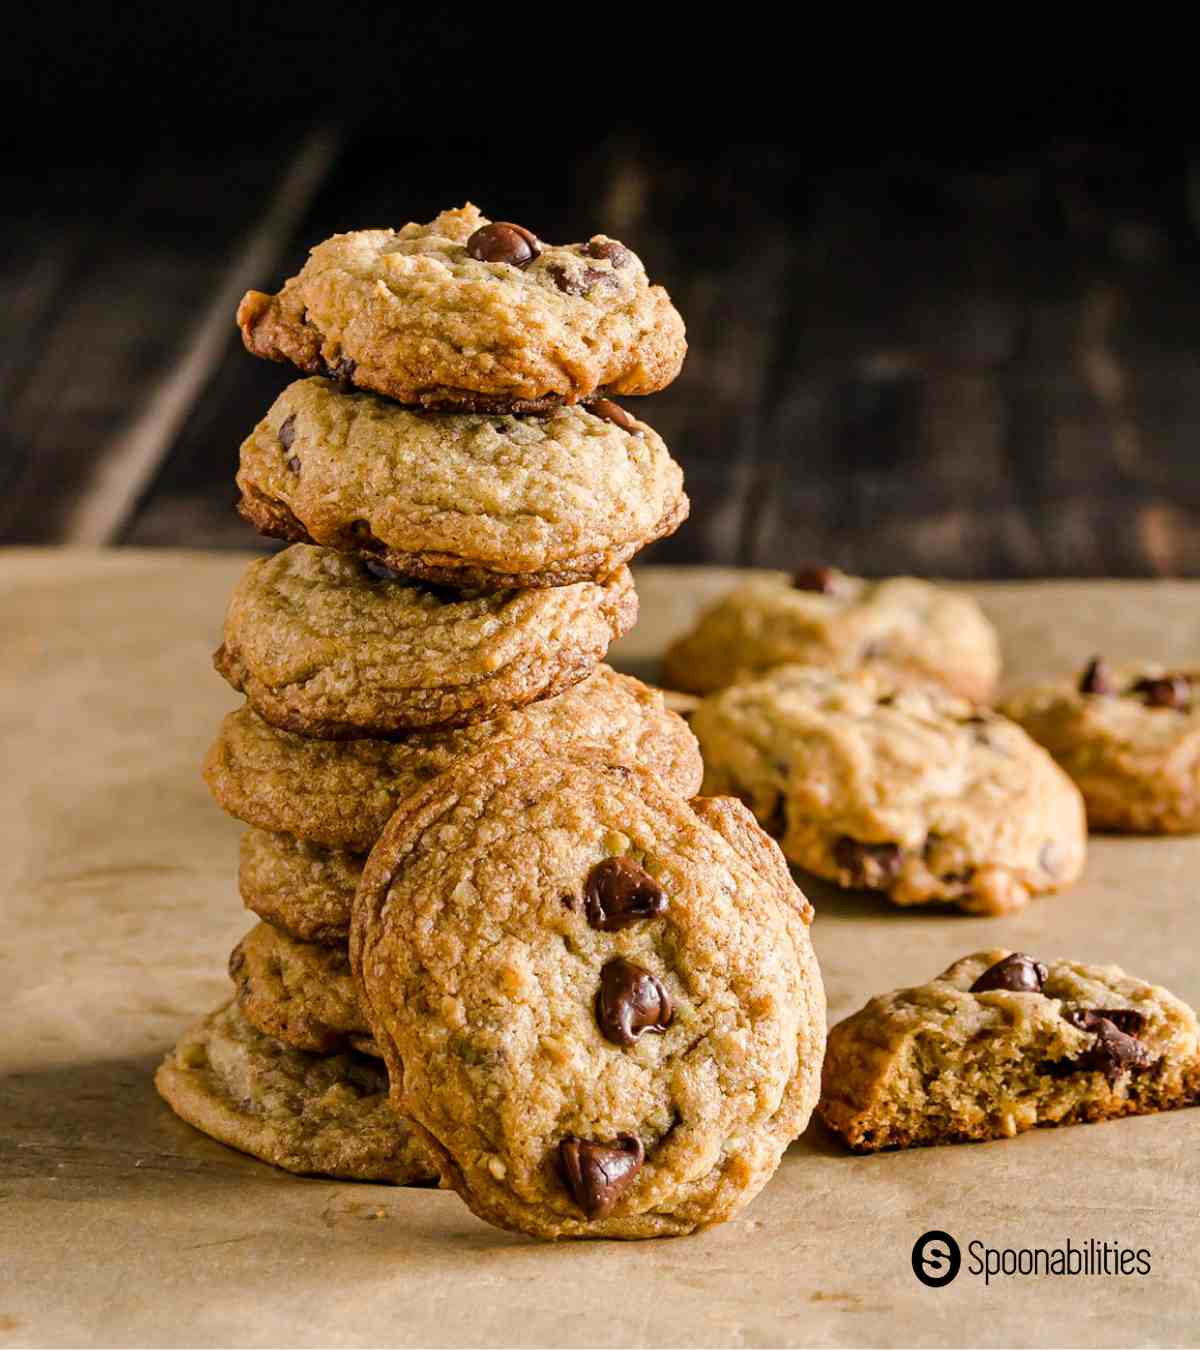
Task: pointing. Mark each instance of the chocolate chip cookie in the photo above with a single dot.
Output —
(822, 617)
(318, 1115)
(1129, 737)
(469, 313)
(342, 793)
(326, 645)
(300, 888)
(604, 997)
(1002, 1042)
(461, 499)
(301, 993)
(885, 784)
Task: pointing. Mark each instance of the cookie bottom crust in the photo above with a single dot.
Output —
(312, 1115)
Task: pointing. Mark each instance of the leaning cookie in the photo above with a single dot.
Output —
(823, 617)
(341, 793)
(1129, 737)
(604, 997)
(301, 993)
(1002, 1043)
(881, 783)
(325, 645)
(466, 500)
(467, 313)
(318, 1115)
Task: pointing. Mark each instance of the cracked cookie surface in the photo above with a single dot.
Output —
(462, 499)
(884, 784)
(1002, 1043)
(342, 793)
(1129, 737)
(428, 315)
(603, 996)
(302, 993)
(317, 1115)
(823, 617)
(322, 646)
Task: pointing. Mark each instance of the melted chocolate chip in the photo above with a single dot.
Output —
(287, 431)
(631, 1001)
(343, 373)
(597, 1174)
(1096, 678)
(815, 577)
(870, 865)
(618, 893)
(1165, 691)
(609, 411)
(616, 253)
(579, 283)
(504, 242)
(1016, 972)
(381, 571)
(1116, 1049)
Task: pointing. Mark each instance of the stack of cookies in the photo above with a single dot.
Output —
(557, 983)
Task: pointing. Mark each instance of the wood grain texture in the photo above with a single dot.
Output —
(905, 364)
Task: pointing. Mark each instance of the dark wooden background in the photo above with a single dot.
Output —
(974, 357)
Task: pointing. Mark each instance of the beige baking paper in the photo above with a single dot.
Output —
(121, 1225)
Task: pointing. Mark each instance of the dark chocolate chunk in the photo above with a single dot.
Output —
(596, 1174)
(578, 283)
(869, 865)
(609, 411)
(1096, 678)
(287, 431)
(618, 893)
(815, 577)
(631, 1001)
(504, 242)
(1016, 972)
(1165, 691)
(1116, 1049)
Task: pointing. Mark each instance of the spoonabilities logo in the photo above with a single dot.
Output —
(935, 1258)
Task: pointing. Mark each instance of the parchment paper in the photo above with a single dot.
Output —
(120, 1225)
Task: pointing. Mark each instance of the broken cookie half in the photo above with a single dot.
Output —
(1002, 1042)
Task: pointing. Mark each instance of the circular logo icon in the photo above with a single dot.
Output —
(935, 1258)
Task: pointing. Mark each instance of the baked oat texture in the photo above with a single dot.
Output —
(312, 1114)
(1071, 1043)
(322, 647)
(341, 793)
(877, 782)
(911, 625)
(462, 499)
(1134, 756)
(301, 993)
(412, 315)
(604, 997)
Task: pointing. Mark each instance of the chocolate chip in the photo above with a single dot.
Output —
(1116, 1048)
(597, 1174)
(381, 571)
(1096, 678)
(578, 283)
(294, 464)
(608, 411)
(504, 242)
(343, 373)
(869, 865)
(1165, 691)
(287, 431)
(815, 577)
(616, 253)
(618, 893)
(631, 1001)
(1016, 972)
